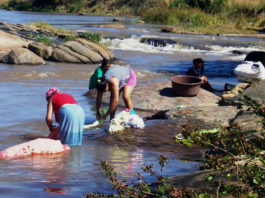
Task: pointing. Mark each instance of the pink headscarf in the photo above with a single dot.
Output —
(51, 92)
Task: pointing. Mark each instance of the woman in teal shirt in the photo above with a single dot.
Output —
(99, 73)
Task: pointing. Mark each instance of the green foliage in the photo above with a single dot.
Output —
(95, 37)
(18, 5)
(210, 6)
(43, 39)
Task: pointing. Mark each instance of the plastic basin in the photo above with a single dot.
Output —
(186, 85)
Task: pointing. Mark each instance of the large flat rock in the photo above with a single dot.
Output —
(158, 96)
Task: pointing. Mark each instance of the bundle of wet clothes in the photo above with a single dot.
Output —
(38, 146)
(125, 119)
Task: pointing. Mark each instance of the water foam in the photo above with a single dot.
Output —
(134, 44)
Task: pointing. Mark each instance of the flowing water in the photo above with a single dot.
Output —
(23, 106)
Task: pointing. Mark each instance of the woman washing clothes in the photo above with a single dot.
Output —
(99, 73)
(116, 80)
(68, 114)
(198, 70)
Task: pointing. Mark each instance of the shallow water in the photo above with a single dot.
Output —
(23, 107)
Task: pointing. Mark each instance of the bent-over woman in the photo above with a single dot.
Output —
(68, 114)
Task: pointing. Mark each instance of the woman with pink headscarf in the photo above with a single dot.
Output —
(68, 113)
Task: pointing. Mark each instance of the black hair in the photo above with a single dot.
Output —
(105, 62)
(197, 61)
(101, 84)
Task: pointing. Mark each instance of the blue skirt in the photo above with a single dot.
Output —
(71, 124)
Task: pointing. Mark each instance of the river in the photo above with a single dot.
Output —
(23, 106)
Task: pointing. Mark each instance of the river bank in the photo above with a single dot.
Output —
(205, 17)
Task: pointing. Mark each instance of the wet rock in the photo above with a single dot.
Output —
(80, 51)
(157, 42)
(22, 56)
(168, 29)
(41, 50)
(117, 20)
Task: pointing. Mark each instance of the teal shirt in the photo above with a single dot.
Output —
(98, 73)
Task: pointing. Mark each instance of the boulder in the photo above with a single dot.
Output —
(61, 55)
(117, 20)
(168, 29)
(41, 49)
(81, 58)
(22, 56)
(81, 51)
(77, 47)
(255, 91)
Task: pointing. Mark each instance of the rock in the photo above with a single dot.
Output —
(117, 20)
(247, 121)
(255, 91)
(9, 41)
(82, 59)
(81, 51)
(235, 91)
(77, 47)
(168, 29)
(159, 96)
(140, 22)
(24, 31)
(41, 50)
(22, 56)
(61, 55)
(212, 115)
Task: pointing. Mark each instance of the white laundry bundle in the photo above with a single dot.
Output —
(125, 119)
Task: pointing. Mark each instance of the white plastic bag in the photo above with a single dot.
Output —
(249, 71)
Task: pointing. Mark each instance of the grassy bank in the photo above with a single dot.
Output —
(202, 16)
